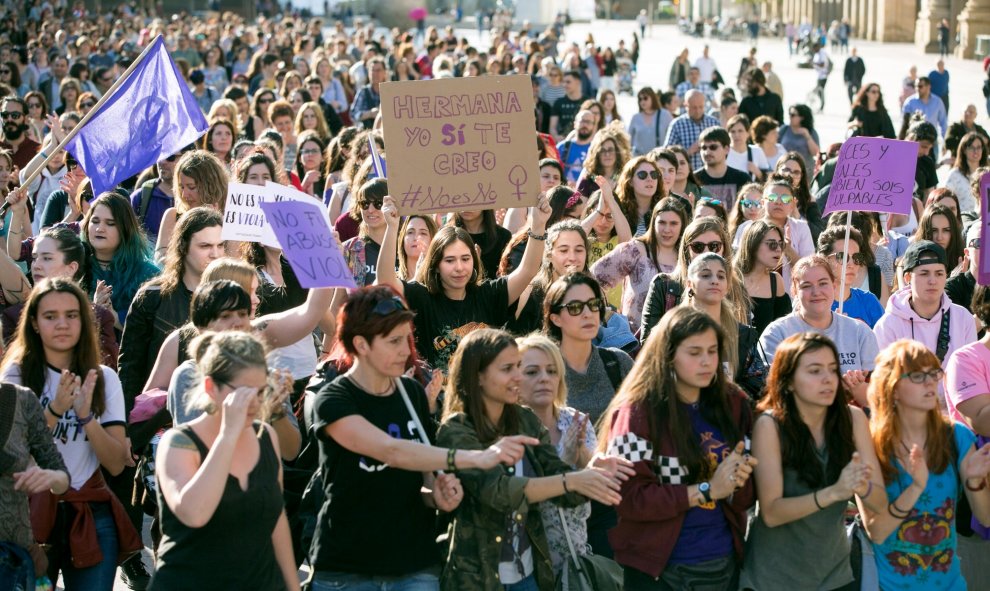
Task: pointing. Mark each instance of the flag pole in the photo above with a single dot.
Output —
(75, 130)
(845, 261)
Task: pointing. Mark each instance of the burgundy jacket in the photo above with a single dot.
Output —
(651, 513)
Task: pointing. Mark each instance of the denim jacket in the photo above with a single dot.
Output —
(476, 531)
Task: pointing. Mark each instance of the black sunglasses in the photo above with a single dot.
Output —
(858, 258)
(974, 243)
(700, 247)
(575, 308)
(386, 307)
(11, 115)
(642, 174)
(376, 203)
(87, 105)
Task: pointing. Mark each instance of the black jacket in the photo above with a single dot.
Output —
(854, 71)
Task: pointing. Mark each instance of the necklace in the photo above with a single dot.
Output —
(354, 379)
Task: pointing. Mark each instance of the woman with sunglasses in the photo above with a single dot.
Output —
(635, 263)
(799, 135)
(218, 468)
(449, 296)
(748, 205)
(702, 235)
(497, 536)
(376, 464)
(638, 191)
(877, 276)
(258, 121)
(857, 303)
(709, 206)
(815, 454)
(756, 260)
(361, 252)
(37, 114)
(869, 116)
(805, 206)
(683, 425)
(709, 279)
(778, 200)
(666, 161)
(56, 354)
(813, 284)
(648, 128)
(928, 461)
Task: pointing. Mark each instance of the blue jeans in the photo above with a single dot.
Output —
(527, 584)
(427, 580)
(101, 576)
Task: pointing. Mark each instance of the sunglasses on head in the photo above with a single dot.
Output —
(709, 201)
(575, 308)
(386, 307)
(857, 258)
(774, 198)
(774, 245)
(700, 247)
(642, 174)
(749, 203)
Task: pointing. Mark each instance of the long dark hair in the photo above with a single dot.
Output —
(954, 252)
(131, 265)
(797, 445)
(27, 351)
(650, 239)
(474, 354)
(652, 383)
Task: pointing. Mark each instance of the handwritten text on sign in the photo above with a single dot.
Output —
(307, 242)
(873, 174)
(460, 144)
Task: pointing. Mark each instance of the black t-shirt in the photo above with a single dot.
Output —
(724, 187)
(925, 175)
(768, 104)
(566, 110)
(441, 322)
(491, 250)
(371, 250)
(373, 521)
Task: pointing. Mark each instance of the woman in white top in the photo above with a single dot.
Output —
(765, 133)
(778, 199)
(743, 155)
(971, 154)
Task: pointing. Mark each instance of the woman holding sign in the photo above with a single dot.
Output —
(449, 297)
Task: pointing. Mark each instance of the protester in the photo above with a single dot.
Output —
(970, 154)
(756, 259)
(815, 454)
(748, 205)
(744, 156)
(869, 116)
(686, 129)
(678, 417)
(855, 302)
(720, 179)
(799, 135)
(200, 179)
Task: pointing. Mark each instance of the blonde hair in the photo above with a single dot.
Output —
(232, 113)
(238, 271)
(221, 356)
(552, 351)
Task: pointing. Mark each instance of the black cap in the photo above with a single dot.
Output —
(923, 252)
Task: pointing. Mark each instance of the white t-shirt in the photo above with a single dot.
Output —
(70, 438)
(740, 160)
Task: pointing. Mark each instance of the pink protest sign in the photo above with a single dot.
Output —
(307, 241)
(983, 277)
(873, 174)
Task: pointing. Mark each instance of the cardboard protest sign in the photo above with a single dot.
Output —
(460, 143)
(307, 242)
(873, 174)
(983, 276)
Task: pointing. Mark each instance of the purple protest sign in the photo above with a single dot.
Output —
(873, 174)
(308, 243)
(983, 277)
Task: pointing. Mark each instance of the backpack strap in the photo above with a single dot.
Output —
(656, 125)
(146, 189)
(942, 345)
(612, 368)
(873, 275)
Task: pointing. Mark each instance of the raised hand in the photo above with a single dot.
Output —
(235, 408)
(83, 402)
(390, 212)
(540, 214)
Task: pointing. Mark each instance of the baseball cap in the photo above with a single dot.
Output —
(923, 252)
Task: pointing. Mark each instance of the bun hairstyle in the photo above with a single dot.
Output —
(221, 356)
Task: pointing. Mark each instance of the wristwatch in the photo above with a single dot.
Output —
(705, 488)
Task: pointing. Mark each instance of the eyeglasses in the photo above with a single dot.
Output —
(575, 308)
(974, 243)
(309, 151)
(774, 245)
(920, 377)
(749, 203)
(609, 152)
(857, 258)
(34, 105)
(700, 247)
(386, 307)
(87, 105)
(642, 174)
(774, 197)
(376, 203)
(11, 115)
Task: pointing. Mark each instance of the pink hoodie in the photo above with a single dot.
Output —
(900, 321)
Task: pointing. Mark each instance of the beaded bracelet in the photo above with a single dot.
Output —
(451, 465)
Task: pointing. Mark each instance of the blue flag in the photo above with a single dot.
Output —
(151, 116)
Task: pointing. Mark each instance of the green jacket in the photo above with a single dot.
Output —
(477, 527)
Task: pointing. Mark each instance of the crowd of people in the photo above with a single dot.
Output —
(673, 362)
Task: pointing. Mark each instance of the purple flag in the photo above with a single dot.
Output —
(151, 116)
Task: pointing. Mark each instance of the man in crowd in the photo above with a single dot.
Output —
(368, 100)
(565, 108)
(939, 78)
(716, 176)
(13, 112)
(853, 73)
(761, 100)
(686, 129)
(928, 104)
(694, 82)
(50, 85)
(573, 151)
